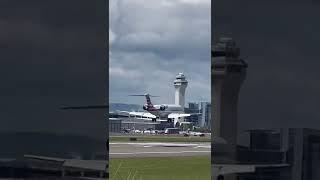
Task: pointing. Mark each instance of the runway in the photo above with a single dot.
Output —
(124, 150)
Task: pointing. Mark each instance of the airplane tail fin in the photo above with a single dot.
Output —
(148, 99)
(149, 103)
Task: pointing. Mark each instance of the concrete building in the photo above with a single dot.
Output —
(294, 153)
(227, 76)
(205, 117)
(277, 154)
(303, 153)
(209, 116)
(180, 84)
(193, 107)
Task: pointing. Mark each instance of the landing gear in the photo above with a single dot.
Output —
(154, 119)
(177, 124)
(162, 108)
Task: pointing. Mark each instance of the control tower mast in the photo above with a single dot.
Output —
(180, 84)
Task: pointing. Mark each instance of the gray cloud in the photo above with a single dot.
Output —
(153, 42)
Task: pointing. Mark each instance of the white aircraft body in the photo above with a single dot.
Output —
(155, 113)
(164, 112)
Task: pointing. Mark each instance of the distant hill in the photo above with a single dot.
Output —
(124, 107)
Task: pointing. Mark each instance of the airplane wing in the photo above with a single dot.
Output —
(137, 122)
(162, 120)
(139, 114)
(178, 115)
(142, 114)
(193, 114)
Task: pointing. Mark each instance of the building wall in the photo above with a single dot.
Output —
(193, 108)
(202, 120)
(115, 126)
(208, 116)
(205, 119)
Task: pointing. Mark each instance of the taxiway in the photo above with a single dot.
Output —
(124, 150)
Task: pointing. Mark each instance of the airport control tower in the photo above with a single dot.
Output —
(180, 84)
(227, 76)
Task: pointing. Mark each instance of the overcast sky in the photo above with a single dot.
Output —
(280, 41)
(152, 41)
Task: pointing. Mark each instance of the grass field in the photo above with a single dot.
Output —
(164, 168)
(160, 138)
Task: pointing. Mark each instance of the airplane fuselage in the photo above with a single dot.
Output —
(163, 110)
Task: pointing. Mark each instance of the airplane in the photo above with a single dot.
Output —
(156, 113)
(172, 112)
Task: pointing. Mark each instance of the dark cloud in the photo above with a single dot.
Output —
(279, 40)
(52, 54)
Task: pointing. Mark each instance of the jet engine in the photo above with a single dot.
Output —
(162, 107)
